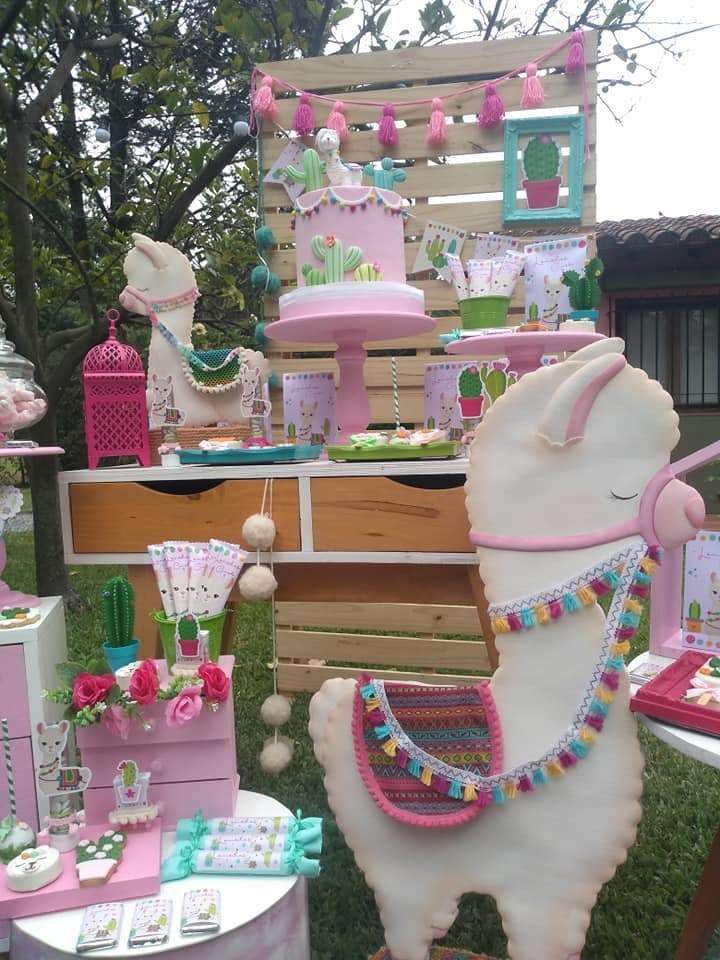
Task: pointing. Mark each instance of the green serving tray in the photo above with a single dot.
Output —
(243, 456)
(432, 451)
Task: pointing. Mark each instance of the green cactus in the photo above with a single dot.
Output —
(385, 176)
(291, 432)
(312, 171)
(337, 262)
(430, 423)
(188, 627)
(469, 382)
(694, 610)
(512, 378)
(533, 313)
(434, 250)
(584, 291)
(326, 429)
(118, 611)
(496, 383)
(313, 276)
(129, 771)
(368, 272)
(541, 158)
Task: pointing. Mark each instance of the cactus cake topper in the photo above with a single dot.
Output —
(311, 175)
(386, 175)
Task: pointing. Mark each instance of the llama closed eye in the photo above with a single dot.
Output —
(618, 496)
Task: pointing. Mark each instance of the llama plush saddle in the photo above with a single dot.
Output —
(413, 744)
(213, 368)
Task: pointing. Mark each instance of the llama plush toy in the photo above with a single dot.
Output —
(527, 787)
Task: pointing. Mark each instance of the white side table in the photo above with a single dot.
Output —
(261, 916)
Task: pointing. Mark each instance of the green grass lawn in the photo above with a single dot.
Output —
(640, 912)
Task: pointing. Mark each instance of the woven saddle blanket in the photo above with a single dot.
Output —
(411, 741)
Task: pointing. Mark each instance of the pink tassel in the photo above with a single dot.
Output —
(387, 131)
(555, 609)
(264, 100)
(576, 54)
(567, 759)
(533, 94)
(401, 758)
(437, 127)
(493, 109)
(595, 721)
(484, 799)
(336, 120)
(524, 784)
(304, 119)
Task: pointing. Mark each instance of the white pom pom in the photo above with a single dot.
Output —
(275, 711)
(241, 128)
(259, 531)
(257, 583)
(276, 755)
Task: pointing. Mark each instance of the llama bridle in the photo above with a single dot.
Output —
(156, 305)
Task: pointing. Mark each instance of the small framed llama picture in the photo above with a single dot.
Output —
(543, 169)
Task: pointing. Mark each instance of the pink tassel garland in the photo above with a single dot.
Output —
(387, 131)
(493, 109)
(336, 120)
(304, 119)
(533, 94)
(437, 127)
(576, 54)
(264, 100)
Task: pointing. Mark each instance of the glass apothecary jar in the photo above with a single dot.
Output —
(22, 402)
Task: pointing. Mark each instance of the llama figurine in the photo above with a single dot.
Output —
(54, 779)
(536, 791)
(338, 173)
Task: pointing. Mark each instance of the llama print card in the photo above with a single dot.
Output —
(309, 408)
(701, 592)
(437, 241)
(441, 407)
(292, 154)
(546, 296)
(163, 411)
(494, 246)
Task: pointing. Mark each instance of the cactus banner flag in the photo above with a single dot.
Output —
(437, 240)
(291, 156)
(309, 408)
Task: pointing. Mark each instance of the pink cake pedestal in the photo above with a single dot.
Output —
(524, 350)
(350, 332)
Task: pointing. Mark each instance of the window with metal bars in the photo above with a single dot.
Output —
(675, 342)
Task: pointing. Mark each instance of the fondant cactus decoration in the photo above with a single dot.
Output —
(312, 171)
(118, 611)
(368, 272)
(313, 276)
(384, 176)
(496, 383)
(584, 291)
(469, 382)
(533, 313)
(129, 771)
(337, 261)
(512, 378)
(97, 860)
(484, 371)
(541, 158)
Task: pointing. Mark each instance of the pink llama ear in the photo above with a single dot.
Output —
(64, 726)
(567, 412)
(41, 727)
(152, 250)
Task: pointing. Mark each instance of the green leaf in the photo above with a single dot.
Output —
(98, 665)
(381, 21)
(342, 14)
(69, 713)
(620, 51)
(118, 71)
(6, 825)
(113, 695)
(201, 113)
(66, 672)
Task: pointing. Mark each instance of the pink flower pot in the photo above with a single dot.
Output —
(189, 648)
(471, 406)
(542, 194)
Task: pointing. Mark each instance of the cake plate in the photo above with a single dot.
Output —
(350, 332)
(523, 350)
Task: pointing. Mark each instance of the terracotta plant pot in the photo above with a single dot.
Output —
(471, 406)
(542, 194)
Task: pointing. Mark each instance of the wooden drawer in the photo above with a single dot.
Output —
(126, 517)
(380, 514)
(13, 690)
(21, 752)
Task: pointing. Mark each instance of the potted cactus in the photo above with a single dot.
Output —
(694, 617)
(584, 291)
(470, 392)
(187, 635)
(541, 162)
(118, 612)
(130, 785)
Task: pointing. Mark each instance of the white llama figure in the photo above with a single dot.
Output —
(54, 779)
(551, 306)
(712, 618)
(591, 424)
(305, 427)
(327, 144)
(161, 280)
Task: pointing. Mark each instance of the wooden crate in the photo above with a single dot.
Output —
(471, 168)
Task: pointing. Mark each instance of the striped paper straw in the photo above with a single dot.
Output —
(396, 392)
(8, 766)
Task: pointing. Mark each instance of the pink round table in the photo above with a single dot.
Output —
(350, 332)
(523, 350)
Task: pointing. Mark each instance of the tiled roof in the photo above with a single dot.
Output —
(660, 230)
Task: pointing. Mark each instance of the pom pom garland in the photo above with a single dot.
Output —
(533, 94)
(493, 108)
(264, 99)
(241, 128)
(437, 127)
(576, 54)
(304, 120)
(387, 131)
(275, 711)
(336, 120)
(259, 531)
(257, 583)
(276, 755)
(102, 135)
(264, 238)
(261, 278)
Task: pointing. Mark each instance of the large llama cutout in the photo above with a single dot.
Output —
(591, 438)
(53, 778)
(161, 285)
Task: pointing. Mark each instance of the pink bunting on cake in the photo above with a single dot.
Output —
(304, 119)
(493, 109)
(264, 99)
(336, 120)
(576, 54)
(387, 131)
(437, 127)
(533, 94)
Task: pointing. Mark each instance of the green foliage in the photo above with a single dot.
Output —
(118, 607)
(470, 383)
(584, 291)
(541, 158)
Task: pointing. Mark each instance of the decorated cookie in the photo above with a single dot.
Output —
(15, 836)
(421, 438)
(33, 869)
(371, 438)
(97, 860)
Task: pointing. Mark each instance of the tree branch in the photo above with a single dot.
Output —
(59, 338)
(317, 42)
(71, 357)
(8, 19)
(492, 20)
(56, 81)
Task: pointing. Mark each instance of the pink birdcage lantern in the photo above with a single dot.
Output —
(116, 418)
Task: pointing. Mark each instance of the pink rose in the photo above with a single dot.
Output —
(88, 689)
(216, 683)
(184, 707)
(117, 721)
(144, 683)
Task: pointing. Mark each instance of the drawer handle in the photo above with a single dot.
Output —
(181, 488)
(444, 481)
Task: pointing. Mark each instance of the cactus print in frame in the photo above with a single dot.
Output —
(536, 171)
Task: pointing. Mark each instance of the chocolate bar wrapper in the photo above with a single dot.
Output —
(150, 922)
(100, 927)
(200, 912)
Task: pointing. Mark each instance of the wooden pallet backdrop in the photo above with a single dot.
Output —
(462, 188)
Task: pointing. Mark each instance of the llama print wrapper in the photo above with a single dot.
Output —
(546, 296)
(224, 563)
(100, 928)
(150, 923)
(492, 246)
(200, 912)
(701, 593)
(441, 407)
(162, 575)
(196, 576)
(309, 408)
(438, 240)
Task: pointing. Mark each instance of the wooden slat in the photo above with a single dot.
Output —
(389, 651)
(403, 617)
(304, 678)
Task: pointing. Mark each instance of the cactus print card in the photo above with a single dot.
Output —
(292, 154)
(701, 592)
(437, 240)
(546, 296)
(309, 408)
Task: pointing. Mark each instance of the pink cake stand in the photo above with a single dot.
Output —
(524, 350)
(350, 332)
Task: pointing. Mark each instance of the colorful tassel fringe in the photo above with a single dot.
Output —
(387, 131)
(576, 54)
(533, 94)
(264, 99)
(304, 120)
(493, 109)
(336, 120)
(437, 126)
